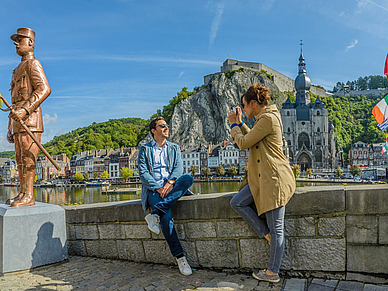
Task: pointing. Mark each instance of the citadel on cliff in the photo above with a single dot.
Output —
(309, 134)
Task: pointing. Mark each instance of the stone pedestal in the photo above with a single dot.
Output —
(31, 236)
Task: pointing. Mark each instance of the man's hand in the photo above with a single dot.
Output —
(10, 137)
(164, 190)
(18, 114)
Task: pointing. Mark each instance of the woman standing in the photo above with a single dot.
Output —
(270, 181)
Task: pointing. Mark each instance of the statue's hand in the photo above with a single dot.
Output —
(18, 114)
(10, 137)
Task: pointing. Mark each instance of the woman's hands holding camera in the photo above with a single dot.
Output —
(235, 117)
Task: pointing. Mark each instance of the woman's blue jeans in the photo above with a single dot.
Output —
(163, 207)
(274, 224)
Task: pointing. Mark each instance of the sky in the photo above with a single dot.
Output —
(127, 58)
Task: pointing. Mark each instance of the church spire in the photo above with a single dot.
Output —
(302, 82)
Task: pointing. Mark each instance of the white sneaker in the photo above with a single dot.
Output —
(184, 266)
(153, 221)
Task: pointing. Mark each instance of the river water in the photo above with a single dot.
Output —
(86, 195)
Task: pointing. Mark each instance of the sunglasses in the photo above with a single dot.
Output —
(163, 125)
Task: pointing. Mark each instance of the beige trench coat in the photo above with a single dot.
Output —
(270, 177)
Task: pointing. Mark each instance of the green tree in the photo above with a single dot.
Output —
(126, 172)
(309, 172)
(355, 170)
(78, 177)
(339, 172)
(296, 170)
(95, 175)
(86, 176)
(104, 175)
(206, 172)
(220, 171)
(1, 179)
(232, 171)
(193, 170)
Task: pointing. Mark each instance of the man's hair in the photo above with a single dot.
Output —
(257, 92)
(153, 123)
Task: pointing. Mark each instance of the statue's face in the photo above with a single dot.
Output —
(23, 46)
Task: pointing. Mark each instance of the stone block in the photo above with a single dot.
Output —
(217, 253)
(86, 231)
(102, 249)
(254, 253)
(367, 200)
(331, 226)
(178, 228)
(304, 226)
(190, 253)
(131, 250)
(366, 278)
(157, 251)
(200, 229)
(123, 211)
(361, 229)
(209, 206)
(70, 232)
(351, 286)
(383, 230)
(295, 284)
(316, 200)
(136, 231)
(76, 248)
(235, 228)
(369, 287)
(321, 254)
(31, 236)
(367, 259)
(111, 231)
(286, 260)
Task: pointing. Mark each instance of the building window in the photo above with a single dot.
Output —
(288, 113)
(318, 130)
(303, 139)
(288, 130)
(318, 113)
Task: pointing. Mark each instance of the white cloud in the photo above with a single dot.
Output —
(181, 73)
(341, 14)
(352, 45)
(47, 119)
(216, 22)
(5, 145)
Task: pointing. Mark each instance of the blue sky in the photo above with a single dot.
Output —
(126, 58)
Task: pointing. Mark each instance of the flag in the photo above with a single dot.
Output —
(380, 111)
(386, 67)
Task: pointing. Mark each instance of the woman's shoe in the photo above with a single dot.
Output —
(263, 276)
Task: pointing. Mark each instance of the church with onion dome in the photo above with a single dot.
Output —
(309, 134)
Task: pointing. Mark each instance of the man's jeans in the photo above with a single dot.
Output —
(163, 208)
(241, 202)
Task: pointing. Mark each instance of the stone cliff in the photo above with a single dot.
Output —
(202, 118)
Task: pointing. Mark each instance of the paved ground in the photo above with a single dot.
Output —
(85, 273)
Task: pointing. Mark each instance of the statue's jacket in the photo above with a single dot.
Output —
(29, 88)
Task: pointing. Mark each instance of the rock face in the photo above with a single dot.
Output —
(202, 118)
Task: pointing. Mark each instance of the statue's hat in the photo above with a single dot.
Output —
(24, 32)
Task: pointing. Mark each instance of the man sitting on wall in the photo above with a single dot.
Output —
(160, 170)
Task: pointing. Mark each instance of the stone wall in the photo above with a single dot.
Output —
(366, 93)
(331, 232)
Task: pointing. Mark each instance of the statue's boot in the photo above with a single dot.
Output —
(16, 198)
(28, 199)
